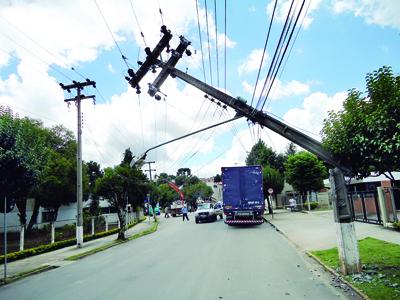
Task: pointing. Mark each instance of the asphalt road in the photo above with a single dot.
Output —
(184, 260)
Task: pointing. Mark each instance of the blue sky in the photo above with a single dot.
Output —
(339, 42)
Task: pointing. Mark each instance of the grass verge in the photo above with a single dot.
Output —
(150, 230)
(27, 273)
(380, 278)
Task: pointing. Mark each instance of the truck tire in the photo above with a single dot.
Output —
(174, 215)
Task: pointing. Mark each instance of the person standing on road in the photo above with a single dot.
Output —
(292, 203)
(185, 213)
(166, 214)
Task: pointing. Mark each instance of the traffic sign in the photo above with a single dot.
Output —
(270, 190)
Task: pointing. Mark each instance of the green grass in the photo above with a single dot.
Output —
(381, 268)
(150, 230)
(27, 273)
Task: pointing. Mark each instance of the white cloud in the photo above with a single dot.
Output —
(252, 62)
(110, 68)
(280, 89)
(284, 6)
(379, 12)
(315, 109)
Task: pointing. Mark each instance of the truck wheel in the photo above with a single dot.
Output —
(174, 215)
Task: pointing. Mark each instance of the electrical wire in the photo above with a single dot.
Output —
(291, 48)
(37, 57)
(124, 58)
(277, 50)
(201, 42)
(208, 39)
(216, 39)
(137, 21)
(284, 52)
(264, 51)
(225, 46)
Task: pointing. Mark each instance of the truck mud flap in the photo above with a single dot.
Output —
(244, 221)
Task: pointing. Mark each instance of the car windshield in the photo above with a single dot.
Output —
(204, 206)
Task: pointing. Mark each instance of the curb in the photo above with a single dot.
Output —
(327, 268)
(31, 272)
(339, 276)
(114, 243)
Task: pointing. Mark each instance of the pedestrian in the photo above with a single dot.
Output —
(292, 203)
(166, 214)
(185, 213)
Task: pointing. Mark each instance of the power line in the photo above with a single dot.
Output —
(137, 21)
(225, 46)
(42, 60)
(208, 39)
(277, 52)
(216, 39)
(124, 58)
(265, 48)
(284, 52)
(201, 42)
(291, 47)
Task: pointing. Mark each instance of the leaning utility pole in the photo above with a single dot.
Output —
(79, 86)
(348, 252)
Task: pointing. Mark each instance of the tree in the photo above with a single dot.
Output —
(57, 184)
(272, 179)
(217, 178)
(366, 132)
(61, 148)
(21, 154)
(262, 155)
(128, 156)
(290, 149)
(164, 177)
(120, 186)
(183, 171)
(194, 191)
(93, 171)
(305, 172)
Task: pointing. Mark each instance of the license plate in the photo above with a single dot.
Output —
(244, 213)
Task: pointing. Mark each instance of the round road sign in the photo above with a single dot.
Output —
(270, 190)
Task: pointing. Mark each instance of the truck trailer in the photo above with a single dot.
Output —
(243, 197)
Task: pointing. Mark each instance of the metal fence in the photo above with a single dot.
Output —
(65, 229)
(365, 205)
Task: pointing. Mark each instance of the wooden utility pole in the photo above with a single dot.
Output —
(79, 86)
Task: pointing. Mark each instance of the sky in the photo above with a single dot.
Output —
(47, 42)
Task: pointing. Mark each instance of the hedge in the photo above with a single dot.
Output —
(60, 244)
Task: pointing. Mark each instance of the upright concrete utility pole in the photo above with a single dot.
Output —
(346, 234)
(79, 86)
(151, 179)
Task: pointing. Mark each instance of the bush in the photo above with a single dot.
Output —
(396, 225)
(313, 205)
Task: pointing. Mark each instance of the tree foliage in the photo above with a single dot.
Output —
(272, 179)
(198, 190)
(262, 155)
(305, 172)
(366, 132)
(120, 186)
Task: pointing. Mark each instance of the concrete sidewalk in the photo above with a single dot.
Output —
(317, 230)
(57, 258)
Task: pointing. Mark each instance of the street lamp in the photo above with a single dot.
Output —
(141, 160)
